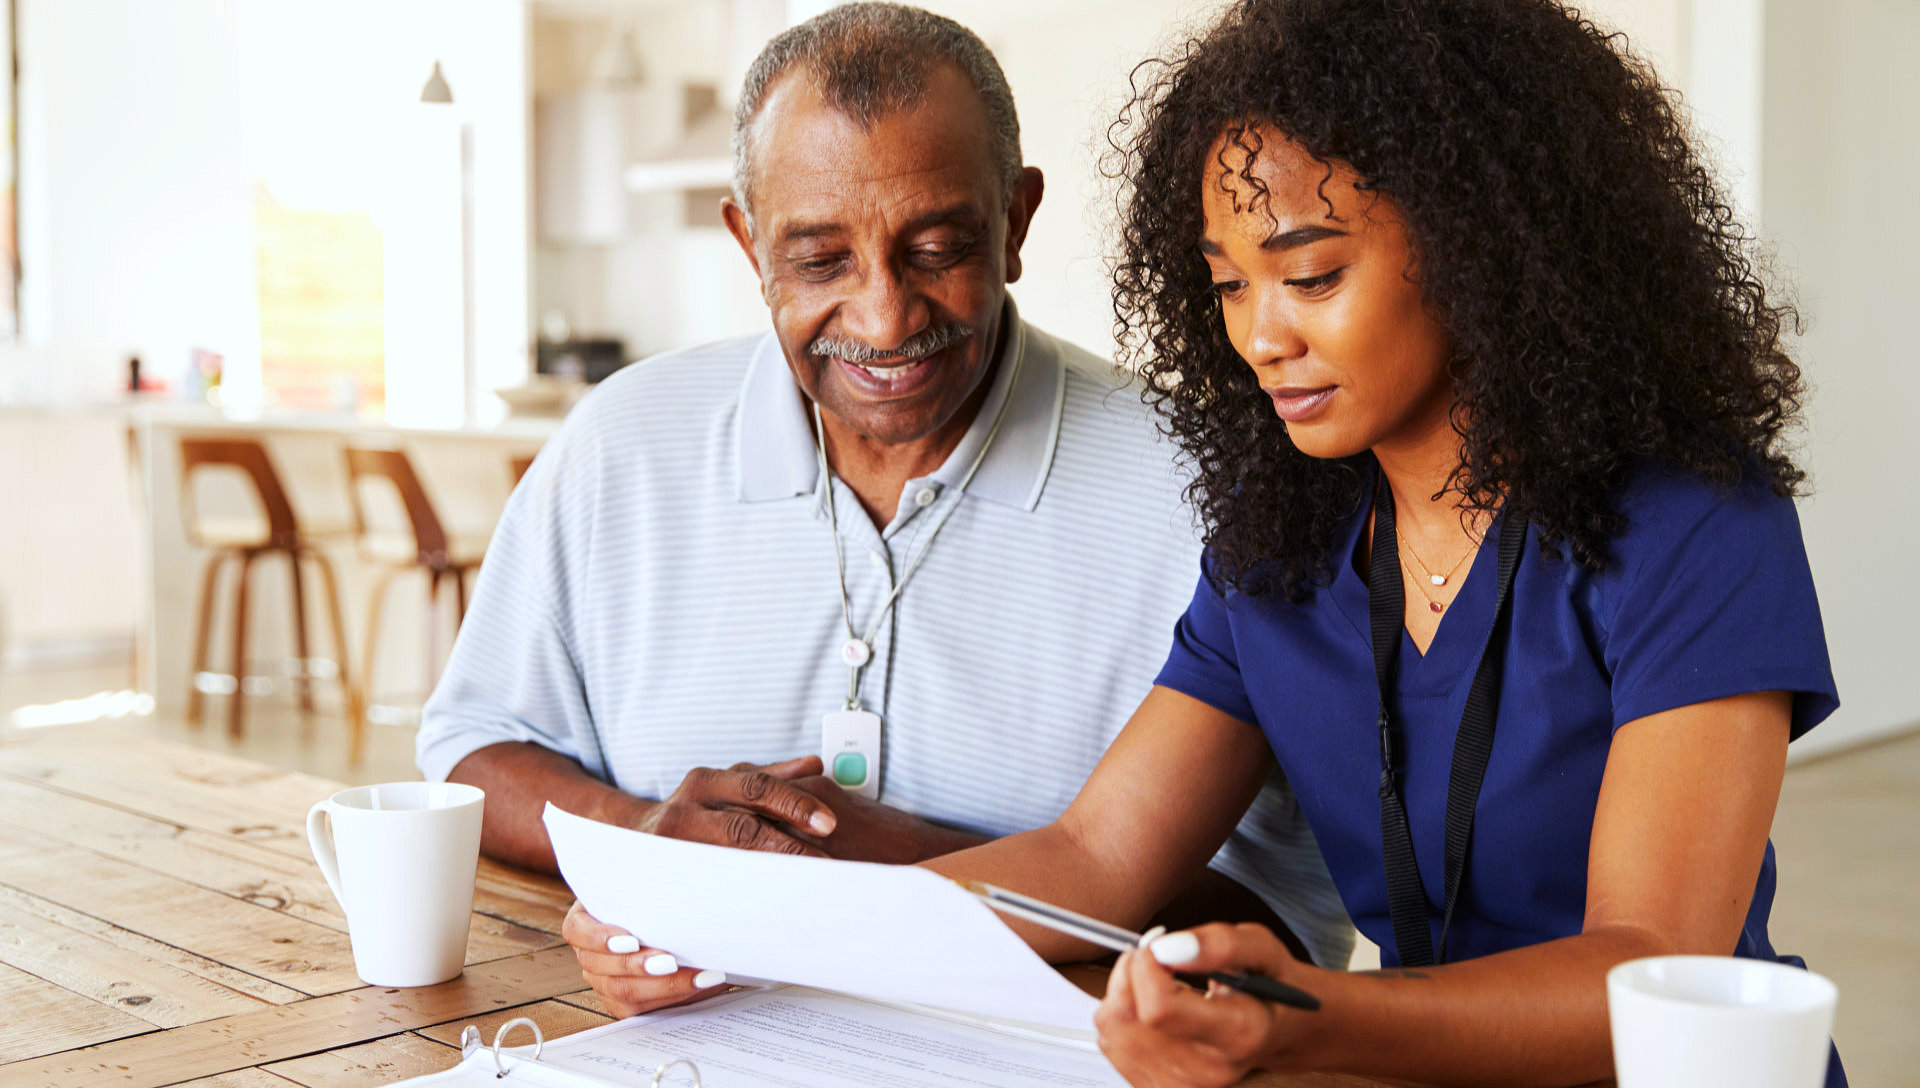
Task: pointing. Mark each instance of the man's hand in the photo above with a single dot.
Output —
(747, 806)
(630, 978)
(866, 830)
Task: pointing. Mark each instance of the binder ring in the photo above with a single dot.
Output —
(539, 1042)
(661, 1071)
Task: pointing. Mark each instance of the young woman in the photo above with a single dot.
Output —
(1486, 404)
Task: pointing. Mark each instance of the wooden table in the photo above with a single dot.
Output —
(161, 922)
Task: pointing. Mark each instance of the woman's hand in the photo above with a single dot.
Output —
(629, 978)
(1161, 1033)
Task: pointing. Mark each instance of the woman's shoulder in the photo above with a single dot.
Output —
(1665, 508)
(1686, 537)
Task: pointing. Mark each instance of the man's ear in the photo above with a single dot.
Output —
(741, 227)
(1026, 197)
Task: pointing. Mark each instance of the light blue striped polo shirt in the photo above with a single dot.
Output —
(660, 595)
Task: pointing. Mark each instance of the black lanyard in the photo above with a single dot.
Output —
(1406, 896)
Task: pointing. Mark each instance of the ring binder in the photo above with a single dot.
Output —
(471, 1044)
(539, 1042)
(661, 1071)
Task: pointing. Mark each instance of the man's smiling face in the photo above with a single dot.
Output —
(883, 252)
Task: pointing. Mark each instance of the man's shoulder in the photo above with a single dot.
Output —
(649, 415)
(1103, 405)
(1097, 392)
(674, 384)
(1111, 464)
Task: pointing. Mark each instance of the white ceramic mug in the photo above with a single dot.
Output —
(400, 858)
(1719, 1022)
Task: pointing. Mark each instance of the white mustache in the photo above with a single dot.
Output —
(918, 346)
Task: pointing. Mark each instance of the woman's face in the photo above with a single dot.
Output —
(1322, 302)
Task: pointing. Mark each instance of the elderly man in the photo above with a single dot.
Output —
(904, 565)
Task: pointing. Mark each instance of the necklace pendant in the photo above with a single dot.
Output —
(1437, 579)
(1436, 606)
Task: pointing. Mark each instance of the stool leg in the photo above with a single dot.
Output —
(302, 683)
(434, 621)
(371, 648)
(236, 710)
(202, 632)
(356, 713)
(459, 598)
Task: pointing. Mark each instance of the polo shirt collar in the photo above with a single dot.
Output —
(774, 447)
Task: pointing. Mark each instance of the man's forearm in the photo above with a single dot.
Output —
(519, 779)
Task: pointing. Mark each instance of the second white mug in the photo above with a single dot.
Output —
(1719, 1022)
(400, 857)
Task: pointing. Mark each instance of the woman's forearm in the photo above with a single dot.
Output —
(1533, 1016)
(1051, 863)
(1164, 797)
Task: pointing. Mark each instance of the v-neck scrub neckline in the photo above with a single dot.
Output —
(1451, 653)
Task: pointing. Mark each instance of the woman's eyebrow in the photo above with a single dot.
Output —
(1292, 239)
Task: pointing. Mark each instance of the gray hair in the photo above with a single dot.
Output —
(872, 59)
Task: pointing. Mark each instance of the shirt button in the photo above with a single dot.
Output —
(924, 497)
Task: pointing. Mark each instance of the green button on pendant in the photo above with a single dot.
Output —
(849, 768)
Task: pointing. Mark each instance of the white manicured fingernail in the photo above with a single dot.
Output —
(1151, 935)
(623, 944)
(708, 979)
(660, 964)
(1175, 948)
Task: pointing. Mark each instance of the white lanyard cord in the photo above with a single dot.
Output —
(833, 521)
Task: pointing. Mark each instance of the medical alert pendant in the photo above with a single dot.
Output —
(856, 653)
(850, 748)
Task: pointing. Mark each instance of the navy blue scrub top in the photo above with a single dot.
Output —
(1707, 595)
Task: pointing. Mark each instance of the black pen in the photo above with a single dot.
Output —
(1094, 931)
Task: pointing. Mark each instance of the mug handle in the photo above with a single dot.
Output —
(320, 841)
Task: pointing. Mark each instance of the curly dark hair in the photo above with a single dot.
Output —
(1604, 306)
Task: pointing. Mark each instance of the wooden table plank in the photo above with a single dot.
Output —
(239, 1078)
(42, 1018)
(556, 1018)
(305, 1027)
(524, 898)
(381, 1061)
(192, 787)
(275, 946)
(232, 867)
(233, 798)
(156, 992)
(136, 945)
(585, 999)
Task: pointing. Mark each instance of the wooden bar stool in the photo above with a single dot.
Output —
(244, 540)
(422, 544)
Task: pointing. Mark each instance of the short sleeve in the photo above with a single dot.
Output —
(1714, 598)
(513, 675)
(1204, 662)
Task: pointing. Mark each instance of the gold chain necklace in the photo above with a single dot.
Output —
(1433, 605)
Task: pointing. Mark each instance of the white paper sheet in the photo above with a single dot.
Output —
(790, 1037)
(894, 933)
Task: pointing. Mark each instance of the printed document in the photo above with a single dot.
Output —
(889, 932)
(789, 1037)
